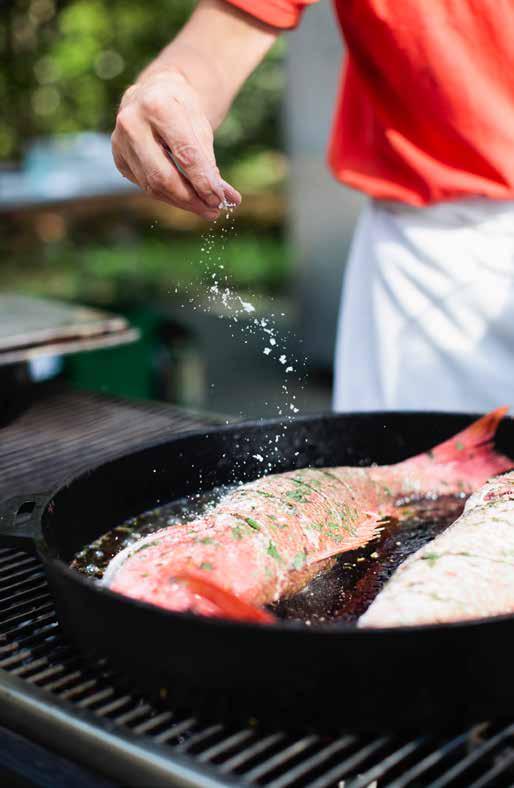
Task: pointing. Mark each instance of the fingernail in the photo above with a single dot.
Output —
(231, 194)
(211, 215)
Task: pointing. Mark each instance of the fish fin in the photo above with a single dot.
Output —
(472, 450)
(368, 529)
(229, 604)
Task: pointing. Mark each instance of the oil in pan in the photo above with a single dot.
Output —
(341, 594)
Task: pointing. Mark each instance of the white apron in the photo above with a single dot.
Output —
(427, 318)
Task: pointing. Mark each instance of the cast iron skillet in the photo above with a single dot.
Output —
(333, 676)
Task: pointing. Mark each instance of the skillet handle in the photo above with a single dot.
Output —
(20, 521)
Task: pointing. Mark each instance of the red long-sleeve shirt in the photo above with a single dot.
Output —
(426, 107)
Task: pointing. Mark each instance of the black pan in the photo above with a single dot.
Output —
(333, 676)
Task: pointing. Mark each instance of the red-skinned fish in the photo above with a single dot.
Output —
(266, 540)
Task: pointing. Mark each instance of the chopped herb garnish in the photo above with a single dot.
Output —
(432, 558)
(299, 560)
(143, 547)
(206, 540)
(273, 552)
(297, 495)
(316, 526)
(206, 566)
(237, 532)
(459, 445)
(253, 523)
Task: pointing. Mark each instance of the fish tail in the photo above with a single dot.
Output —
(471, 452)
(228, 604)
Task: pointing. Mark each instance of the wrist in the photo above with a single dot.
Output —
(187, 66)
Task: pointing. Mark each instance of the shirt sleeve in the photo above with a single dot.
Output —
(278, 13)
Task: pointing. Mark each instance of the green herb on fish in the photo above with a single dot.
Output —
(273, 552)
(252, 523)
(299, 560)
(459, 445)
(431, 558)
(206, 566)
(237, 532)
(297, 495)
(144, 546)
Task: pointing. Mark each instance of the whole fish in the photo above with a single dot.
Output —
(268, 539)
(465, 573)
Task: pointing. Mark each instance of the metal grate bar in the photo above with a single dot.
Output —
(42, 613)
(281, 758)
(431, 760)
(139, 711)
(345, 768)
(314, 762)
(57, 662)
(34, 665)
(35, 576)
(473, 757)
(227, 744)
(7, 569)
(236, 761)
(114, 705)
(197, 738)
(28, 592)
(489, 778)
(30, 606)
(86, 703)
(388, 763)
(177, 730)
(26, 573)
(6, 556)
(153, 722)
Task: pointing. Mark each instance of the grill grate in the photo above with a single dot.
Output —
(33, 649)
(84, 712)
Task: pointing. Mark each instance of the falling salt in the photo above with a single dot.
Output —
(283, 359)
(258, 457)
(289, 369)
(267, 351)
(273, 341)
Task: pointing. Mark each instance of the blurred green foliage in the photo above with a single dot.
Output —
(65, 64)
(148, 269)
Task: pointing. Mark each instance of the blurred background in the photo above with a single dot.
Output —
(74, 230)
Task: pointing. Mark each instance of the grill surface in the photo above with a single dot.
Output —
(87, 713)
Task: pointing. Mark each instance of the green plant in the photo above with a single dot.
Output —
(65, 63)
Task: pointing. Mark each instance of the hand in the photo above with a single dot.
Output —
(161, 112)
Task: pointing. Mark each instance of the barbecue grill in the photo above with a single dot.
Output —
(82, 712)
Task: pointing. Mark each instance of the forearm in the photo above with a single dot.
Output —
(215, 52)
